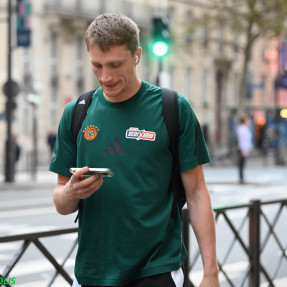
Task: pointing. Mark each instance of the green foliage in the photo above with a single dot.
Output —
(254, 18)
(247, 20)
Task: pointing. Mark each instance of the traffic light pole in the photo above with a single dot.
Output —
(159, 71)
(10, 146)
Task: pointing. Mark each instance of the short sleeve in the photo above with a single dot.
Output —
(65, 154)
(192, 146)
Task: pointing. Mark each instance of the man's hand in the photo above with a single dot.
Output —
(69, 191)
(82, 187)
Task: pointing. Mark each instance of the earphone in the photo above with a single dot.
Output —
(136, 60)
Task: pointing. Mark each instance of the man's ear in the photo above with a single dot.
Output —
(138, 54)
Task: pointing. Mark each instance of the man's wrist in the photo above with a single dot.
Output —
(211, 275)
(67, 193)
(211, 272)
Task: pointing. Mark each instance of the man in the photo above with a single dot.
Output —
(127, 236)
(244, 139)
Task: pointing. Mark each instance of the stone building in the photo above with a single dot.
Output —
(55, 69)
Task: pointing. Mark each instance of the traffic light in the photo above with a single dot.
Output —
(23, 23)
(161, 37)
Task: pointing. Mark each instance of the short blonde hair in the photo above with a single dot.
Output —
(109, 29)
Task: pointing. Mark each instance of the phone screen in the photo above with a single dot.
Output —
(102, 171)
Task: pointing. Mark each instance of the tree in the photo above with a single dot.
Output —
(249, 20)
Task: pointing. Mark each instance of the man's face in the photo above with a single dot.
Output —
(115, 70)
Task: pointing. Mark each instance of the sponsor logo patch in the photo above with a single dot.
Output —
(90, 132)
(135, 133)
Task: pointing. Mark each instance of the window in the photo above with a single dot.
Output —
(54, 80)
(26, 89)
(188, 23)
(79, 65)
(221, 37)
(235, 89)
(171, 70)
(205, 34)
(78, 4)
(187, 82)
(204, 88)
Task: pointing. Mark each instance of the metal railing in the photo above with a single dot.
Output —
(34, 238)
(252, 246)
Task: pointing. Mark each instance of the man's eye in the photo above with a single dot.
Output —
(115, 65)
(98, 66)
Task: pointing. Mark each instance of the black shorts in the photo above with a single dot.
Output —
(169, 279)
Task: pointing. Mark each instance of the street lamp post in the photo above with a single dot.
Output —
(34, 100)
(158, 83)
(10, 89)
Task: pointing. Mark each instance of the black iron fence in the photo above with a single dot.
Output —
(251, 232)
(256, 225)
(34, 238)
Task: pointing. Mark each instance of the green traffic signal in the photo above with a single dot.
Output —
(160, 49)
(161, 37)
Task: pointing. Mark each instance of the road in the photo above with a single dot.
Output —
(28, 207)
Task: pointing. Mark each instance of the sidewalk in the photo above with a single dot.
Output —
(224, 173)
(25, 180)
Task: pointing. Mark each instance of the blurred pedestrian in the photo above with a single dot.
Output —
(16, 150)
(51, 140)
(127, 234)
(244, 143)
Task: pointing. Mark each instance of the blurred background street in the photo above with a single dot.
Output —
(227, 57)
(225, 62)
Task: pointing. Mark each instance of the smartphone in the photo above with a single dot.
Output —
(101, 171)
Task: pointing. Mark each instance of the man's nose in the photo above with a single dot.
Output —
(106, 75)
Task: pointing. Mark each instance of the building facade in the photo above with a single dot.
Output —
(55, 69)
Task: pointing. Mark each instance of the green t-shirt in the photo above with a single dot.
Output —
(125, 228)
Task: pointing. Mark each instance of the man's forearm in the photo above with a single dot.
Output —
(202, 220)
(64, 204)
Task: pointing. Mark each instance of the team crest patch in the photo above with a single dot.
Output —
(135, 133)
(90, 132)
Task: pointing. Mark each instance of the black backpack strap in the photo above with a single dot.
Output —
(170, 113)
(80, 112)
(171, 118)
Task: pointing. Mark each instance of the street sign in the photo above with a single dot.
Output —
(14, 88)
(23, 38)
(23, 23)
